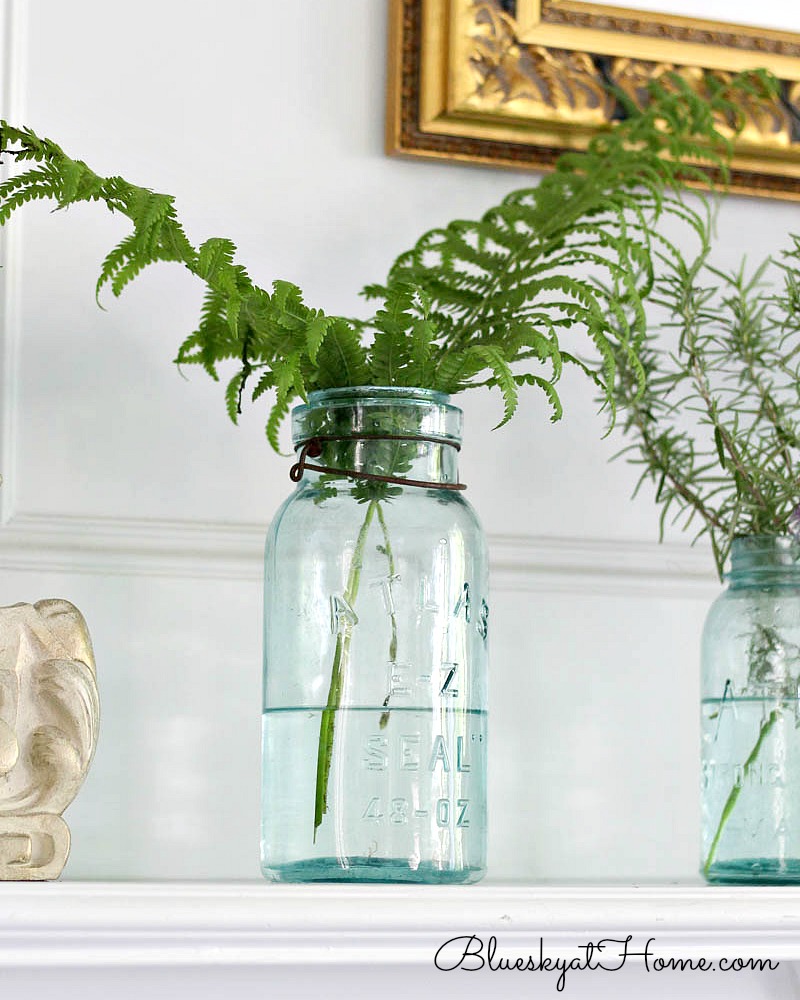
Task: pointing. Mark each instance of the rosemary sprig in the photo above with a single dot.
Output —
(716, 428)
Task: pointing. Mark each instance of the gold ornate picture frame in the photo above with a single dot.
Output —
(514, 82)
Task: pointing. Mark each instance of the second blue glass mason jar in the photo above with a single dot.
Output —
(751, 718)
(375, 649)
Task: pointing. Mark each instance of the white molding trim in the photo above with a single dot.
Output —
(249, 923)
(601, 566)
(229, 551)
(132, 546)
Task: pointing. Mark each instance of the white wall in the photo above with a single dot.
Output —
(776, 14)
(128, 491)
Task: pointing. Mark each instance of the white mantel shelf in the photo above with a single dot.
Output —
(253, 923)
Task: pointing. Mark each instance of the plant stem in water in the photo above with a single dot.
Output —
(387, 549)
(340, 659)
(766, 727)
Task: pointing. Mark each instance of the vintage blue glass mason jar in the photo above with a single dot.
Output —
(375, 649)
(750, 736)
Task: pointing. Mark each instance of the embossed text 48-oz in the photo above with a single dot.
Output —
(416, 790)
(375, 637)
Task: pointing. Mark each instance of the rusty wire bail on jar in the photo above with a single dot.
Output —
(312, 448)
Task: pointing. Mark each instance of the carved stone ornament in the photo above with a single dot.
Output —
(49, 716)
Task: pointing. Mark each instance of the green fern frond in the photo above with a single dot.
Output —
(264, 384)
(423, 334)
(390, 354)
(316, 331)
(455, 370)
(342, 358)
(115, 260)
(502, 376)
(233, 307)
(214, 261)
(276, 417)
(556, 409)
(77, 183)
(206, 345)
(232, 395)
(572, 258)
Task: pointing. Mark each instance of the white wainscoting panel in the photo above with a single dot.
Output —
(174, 788)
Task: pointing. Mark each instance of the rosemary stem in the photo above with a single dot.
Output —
(766, 727)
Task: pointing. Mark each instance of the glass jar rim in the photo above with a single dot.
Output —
(320, 396)
(759, 553)
(430, 411)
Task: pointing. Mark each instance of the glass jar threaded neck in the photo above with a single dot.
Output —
(759, 560)
(395, 432)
